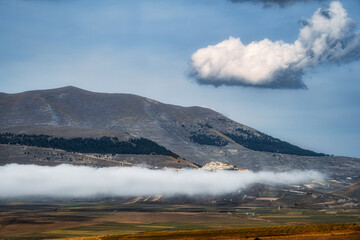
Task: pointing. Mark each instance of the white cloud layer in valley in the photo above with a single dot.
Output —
(328, 37)
(81, 181)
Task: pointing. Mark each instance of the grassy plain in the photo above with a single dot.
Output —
(79, 218)
(322, 231)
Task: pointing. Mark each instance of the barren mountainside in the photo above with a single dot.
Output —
(199, 135)
(139, 116)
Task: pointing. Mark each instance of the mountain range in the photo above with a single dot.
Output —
(195, 136)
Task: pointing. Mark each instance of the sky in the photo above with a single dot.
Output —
(289, 68)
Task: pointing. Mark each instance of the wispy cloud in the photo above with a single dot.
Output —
(328, 37)
(80, 181)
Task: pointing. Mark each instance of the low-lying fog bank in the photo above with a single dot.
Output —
(81, 181)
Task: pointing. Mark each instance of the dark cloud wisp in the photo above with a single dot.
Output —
(271, 3)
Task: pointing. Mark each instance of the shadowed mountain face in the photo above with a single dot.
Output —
(71, 106)
(199, 135)
(136, 115)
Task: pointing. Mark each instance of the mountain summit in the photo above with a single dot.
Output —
(197, 134)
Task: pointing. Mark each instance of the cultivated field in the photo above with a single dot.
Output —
(350, 231)
(44, 219)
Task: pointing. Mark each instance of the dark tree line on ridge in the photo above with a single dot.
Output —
(257, 142)
(103, 145)
(266, 143)
(212, 140)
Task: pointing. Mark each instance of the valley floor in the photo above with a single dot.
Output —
(350, 231)
(44, 219)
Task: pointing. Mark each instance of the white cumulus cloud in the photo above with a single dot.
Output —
(328, 37)
(81, 181)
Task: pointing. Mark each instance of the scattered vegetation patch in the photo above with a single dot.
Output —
(103, 145)
(266, 143)
(257, 233)
(206, 125)
(212, 140)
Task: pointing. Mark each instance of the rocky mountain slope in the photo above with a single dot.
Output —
(198, 135)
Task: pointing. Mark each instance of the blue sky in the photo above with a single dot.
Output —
(146, 48)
